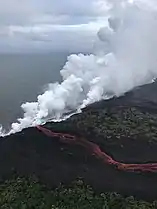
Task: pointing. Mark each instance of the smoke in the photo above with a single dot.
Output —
(127, 59)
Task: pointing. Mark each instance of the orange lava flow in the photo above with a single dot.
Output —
(94, 149)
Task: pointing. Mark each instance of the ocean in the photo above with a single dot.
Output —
(23, 77)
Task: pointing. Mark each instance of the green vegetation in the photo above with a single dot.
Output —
(29, 194)
(114, 123)
(104, 125)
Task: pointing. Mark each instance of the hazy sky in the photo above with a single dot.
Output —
(53, 24)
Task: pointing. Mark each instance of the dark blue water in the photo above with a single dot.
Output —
(23, 77)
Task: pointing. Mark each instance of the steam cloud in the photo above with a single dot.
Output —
(128, 59)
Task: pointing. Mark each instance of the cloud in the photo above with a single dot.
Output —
(22, 8)
(58, 21)
(130, 61)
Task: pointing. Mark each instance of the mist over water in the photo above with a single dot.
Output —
(23, 77)
(129, 59)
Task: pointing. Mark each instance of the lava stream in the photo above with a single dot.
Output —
(95, 150)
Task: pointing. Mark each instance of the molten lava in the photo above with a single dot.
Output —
(94, 149)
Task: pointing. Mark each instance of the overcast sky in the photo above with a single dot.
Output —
(50, 24)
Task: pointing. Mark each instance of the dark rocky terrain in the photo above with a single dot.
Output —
(125, 128)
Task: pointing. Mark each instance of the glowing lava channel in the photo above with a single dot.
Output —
(94, 149)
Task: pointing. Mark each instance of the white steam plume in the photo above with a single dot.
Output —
(129, 59)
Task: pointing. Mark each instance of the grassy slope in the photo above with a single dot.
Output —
(110, 123)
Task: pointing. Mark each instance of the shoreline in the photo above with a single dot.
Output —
(31, 153)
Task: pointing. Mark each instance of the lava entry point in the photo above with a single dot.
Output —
(124, 128)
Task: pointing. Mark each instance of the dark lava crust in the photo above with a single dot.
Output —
(31, 153)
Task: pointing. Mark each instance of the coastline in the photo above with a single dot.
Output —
(31, 153)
